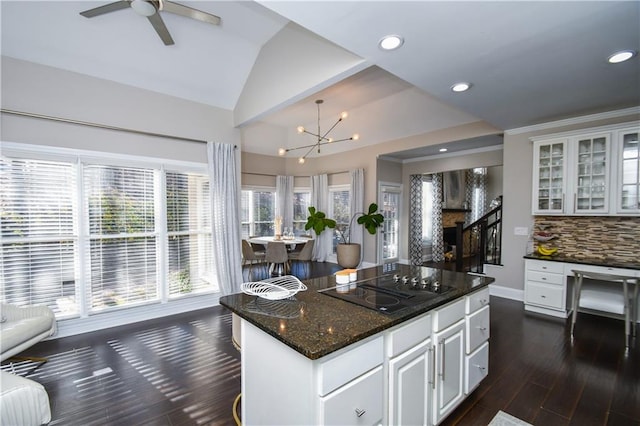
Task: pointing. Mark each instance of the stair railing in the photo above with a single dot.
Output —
(480, 242)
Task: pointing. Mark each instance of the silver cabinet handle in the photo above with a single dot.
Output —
(442, 347)
(482, 328)
(433, 367)
(480, 367)
(360, 412)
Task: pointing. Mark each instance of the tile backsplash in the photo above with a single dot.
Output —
(601, 237)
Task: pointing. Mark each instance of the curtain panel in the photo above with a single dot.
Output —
(438, 243)
(415, 219)
(284, 200)
(320, 200)
(224, 189)
(357, 203)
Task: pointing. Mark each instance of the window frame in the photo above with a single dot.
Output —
(252, 222)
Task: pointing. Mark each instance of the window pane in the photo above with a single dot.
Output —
(301, 203)
(38, 237)
(121, 200)
(339, 210)
(122, 271)
(189, 234)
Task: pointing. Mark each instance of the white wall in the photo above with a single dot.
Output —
(34, 88)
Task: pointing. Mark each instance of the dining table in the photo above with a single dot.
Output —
(289, 242)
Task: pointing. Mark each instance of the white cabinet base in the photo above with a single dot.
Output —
(476, 368)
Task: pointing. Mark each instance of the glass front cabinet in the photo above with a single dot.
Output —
(550, 165)
(591, 172)
(628, 171)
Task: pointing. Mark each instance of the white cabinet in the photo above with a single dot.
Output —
(545, 288)
(410, 353)
(627, 150)
(448, 340)
(410, 378)
(590, 178)
(477, 333)
(549, 176)
(359, 402)
(589, 172)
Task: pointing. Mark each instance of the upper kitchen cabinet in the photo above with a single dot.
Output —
(549, 180)
(589, 172)
(628, 171)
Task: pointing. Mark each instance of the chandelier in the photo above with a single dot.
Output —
(321, 139)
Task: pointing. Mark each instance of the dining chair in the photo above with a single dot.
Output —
(276, 255)
(250, 256)
(305, 254)
(614, 296)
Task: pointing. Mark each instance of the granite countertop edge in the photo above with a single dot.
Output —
(585, 261)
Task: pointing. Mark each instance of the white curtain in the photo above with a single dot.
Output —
(357, 203)
(225, 226)
(320, 200)
(284, 197)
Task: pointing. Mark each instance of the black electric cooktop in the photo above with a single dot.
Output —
(390, 293)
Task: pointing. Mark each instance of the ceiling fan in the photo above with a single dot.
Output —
(151, 9)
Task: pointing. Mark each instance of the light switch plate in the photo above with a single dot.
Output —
(520, 230)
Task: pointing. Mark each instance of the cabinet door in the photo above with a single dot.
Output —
(591, 174)
(549, 180)
(410, 379)
(628, 187)
(449, 358)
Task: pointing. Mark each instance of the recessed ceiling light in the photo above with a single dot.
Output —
(461, 87)
(390, 42)
(443, 149)
(621, 56)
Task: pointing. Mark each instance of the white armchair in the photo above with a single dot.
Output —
(23, 327)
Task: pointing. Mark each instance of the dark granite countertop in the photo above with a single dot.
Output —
(608, 262)
(316, 324)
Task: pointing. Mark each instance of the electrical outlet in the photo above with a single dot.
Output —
(520, 230)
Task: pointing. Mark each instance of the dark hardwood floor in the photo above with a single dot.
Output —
(183, 370)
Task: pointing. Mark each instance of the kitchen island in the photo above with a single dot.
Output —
(317, 359)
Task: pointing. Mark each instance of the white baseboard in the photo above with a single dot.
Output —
(506, 292)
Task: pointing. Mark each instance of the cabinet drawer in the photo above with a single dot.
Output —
(476, 368)
(408, 336)
(549, 296)
(349, 365)
(545, 266)
(447, 315)
(357, 403)
(545, 277)
(477, 300)
(477, 329)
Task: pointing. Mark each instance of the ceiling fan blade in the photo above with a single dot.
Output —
(161, 28)
(189, 12)
(107, 8)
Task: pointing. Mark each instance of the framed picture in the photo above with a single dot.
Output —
(454, 189)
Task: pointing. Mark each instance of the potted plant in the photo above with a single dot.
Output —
(348, 253)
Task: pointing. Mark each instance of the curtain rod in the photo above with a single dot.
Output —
(99, 126)
(271, 175)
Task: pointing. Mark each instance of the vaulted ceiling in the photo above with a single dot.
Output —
(528, 62)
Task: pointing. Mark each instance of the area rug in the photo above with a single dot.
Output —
(504, 419)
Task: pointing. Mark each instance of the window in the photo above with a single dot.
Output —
(339, 210)
(258, 211)
(39, 237)
(188, 234)
(123, 237)
(301, 203)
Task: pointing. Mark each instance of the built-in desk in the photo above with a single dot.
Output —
(547, 280)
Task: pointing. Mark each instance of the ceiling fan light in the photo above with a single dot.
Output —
(300, 129)
(343, 115)
(301, 160)
(621, 56)
(355, 137)
(143, 7)
(282, 151)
